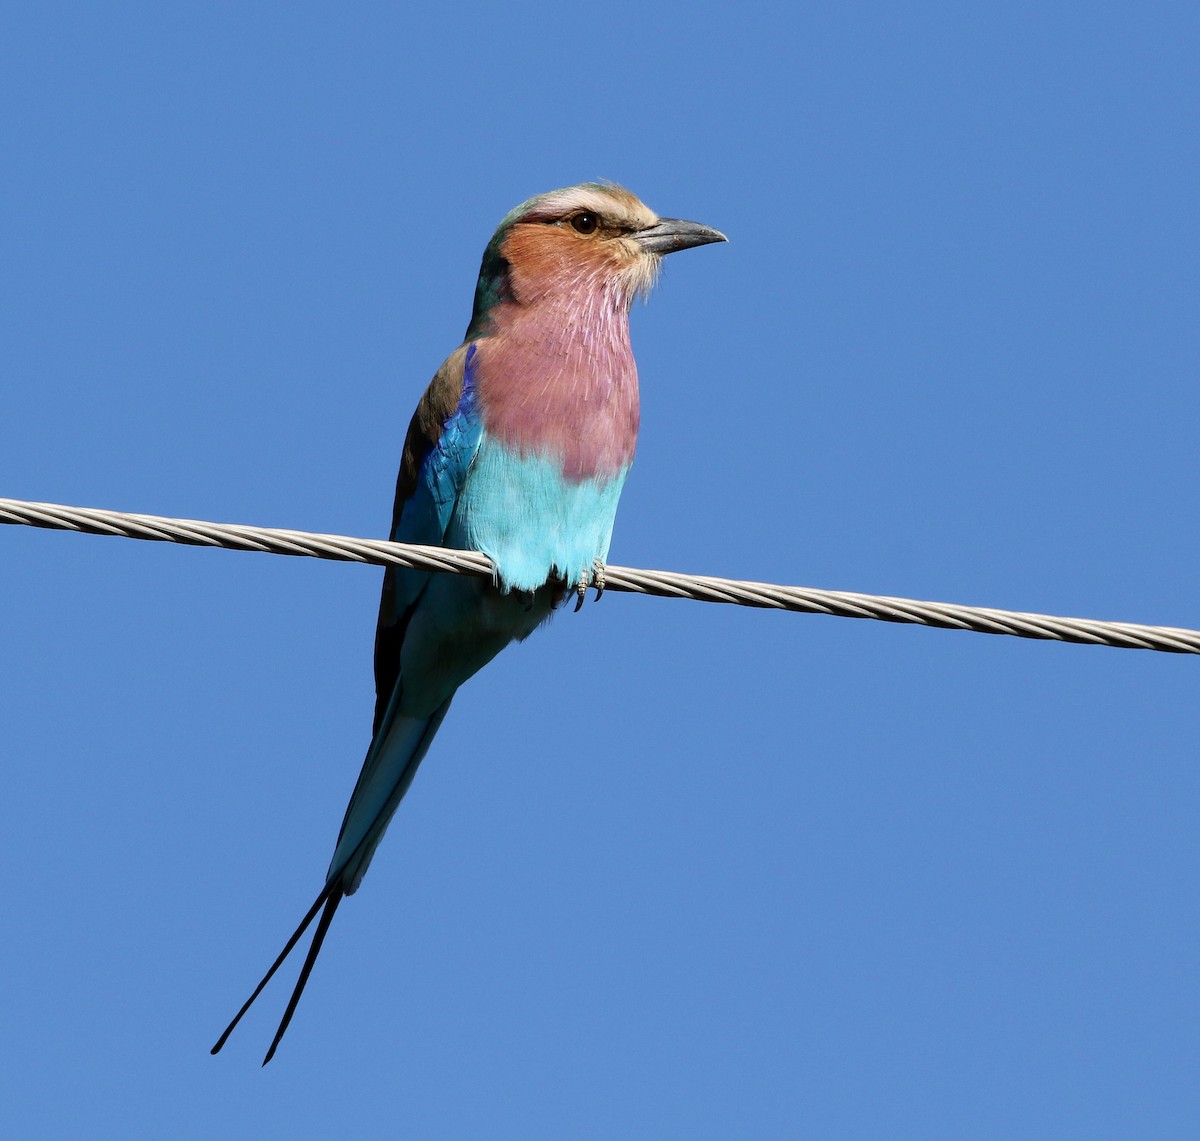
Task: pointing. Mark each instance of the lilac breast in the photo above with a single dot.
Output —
(560, 383)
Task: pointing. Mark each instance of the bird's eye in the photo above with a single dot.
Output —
(585, 222)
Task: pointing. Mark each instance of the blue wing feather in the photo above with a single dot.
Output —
(425, 516)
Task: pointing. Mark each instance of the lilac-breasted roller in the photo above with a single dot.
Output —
(519, 449)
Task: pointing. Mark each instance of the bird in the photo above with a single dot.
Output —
(519, 448)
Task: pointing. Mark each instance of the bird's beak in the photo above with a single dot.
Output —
(670, 234)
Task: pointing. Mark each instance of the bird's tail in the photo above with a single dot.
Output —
(391, 764)
(331, 895)
(387, 772)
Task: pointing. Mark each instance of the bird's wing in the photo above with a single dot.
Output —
(442, 441)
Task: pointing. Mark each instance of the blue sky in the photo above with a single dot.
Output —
(671, 870)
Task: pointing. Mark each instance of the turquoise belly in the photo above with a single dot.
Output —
(533, 523)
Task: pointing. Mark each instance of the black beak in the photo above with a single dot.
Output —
(670, 234)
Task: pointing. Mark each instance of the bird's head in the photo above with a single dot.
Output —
(574, 243)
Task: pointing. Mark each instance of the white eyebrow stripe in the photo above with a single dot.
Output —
(632, 213)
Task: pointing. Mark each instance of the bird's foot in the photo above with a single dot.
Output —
(594, 577)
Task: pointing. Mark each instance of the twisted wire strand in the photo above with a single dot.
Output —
(665, 584)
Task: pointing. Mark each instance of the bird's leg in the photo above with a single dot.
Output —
(594, 577)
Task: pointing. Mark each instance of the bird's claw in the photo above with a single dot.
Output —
(593, 578)
(598, 577)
